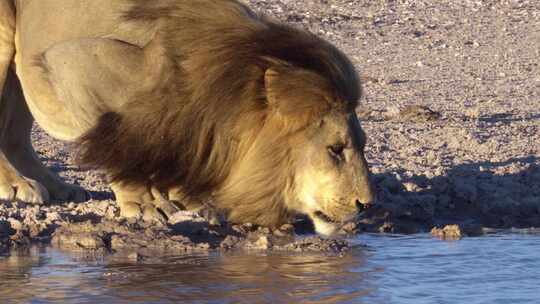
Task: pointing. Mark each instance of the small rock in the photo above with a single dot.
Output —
(117, 242)
(262, 243)
(52, 217)
(135, 257)
(230, 242)
(349, 228)
(5, 228)
(86, 241)
(239, 229)
(264, 230)
(473, 113)
(110, 213)
(15, 224)
(392, 111)
(411, 187)
(287, 228)
(449, 232)
(183, 216)
(418, 113)
(284, 230)
(318, 244)
(386, 227)
(472, 229)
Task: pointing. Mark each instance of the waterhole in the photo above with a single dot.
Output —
(498, 268)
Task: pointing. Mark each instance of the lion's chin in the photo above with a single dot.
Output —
(323, 224)
(325, 228)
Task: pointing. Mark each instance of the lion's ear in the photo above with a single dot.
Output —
(294, 92)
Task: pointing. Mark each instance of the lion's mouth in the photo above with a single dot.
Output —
(325, 217)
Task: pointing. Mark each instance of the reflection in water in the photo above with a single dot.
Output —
(46, 275)
(241, 278)
(49, 275)
(501, 268)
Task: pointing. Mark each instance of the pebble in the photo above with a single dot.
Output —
(448, 232)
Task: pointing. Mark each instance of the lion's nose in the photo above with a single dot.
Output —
(363, 206)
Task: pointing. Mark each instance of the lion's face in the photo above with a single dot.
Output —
(332, 178)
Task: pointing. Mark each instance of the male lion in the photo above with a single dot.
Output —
(201, 99)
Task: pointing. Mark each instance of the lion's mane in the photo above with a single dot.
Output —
(209, 127)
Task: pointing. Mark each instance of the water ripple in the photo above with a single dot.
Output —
(499, 268)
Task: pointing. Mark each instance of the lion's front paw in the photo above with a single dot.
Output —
(204, 207)
(167, 207)
(158, 210)
(151, 213)
(130, 209)
(24, 190)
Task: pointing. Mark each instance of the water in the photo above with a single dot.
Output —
(500, 268)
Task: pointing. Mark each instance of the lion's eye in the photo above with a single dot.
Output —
(336, 150)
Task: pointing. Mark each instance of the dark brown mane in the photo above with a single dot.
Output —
(193, 129)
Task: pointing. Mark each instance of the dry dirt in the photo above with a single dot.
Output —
(451, 107)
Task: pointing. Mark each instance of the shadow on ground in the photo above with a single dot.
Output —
(472, 195)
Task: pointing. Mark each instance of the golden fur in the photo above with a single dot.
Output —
(213, 115)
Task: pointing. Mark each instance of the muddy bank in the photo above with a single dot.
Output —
(96, 227)
(450, 107)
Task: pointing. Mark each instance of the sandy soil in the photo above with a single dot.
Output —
(451, 106)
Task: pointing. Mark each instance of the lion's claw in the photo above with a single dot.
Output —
(159, 210)
(152, 214)
(130, 209)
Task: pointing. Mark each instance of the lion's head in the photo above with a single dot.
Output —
(303, 155)
(260, 117)
(331, 175)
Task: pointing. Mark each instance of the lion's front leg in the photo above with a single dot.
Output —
(143, 201)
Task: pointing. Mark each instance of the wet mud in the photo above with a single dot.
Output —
(96, 227)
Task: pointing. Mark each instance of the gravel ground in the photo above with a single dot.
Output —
(451, 109)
